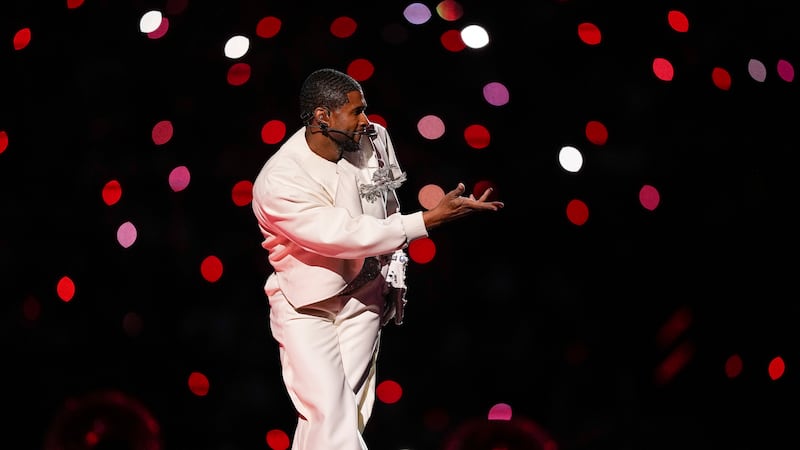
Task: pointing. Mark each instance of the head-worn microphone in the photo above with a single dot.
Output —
(368, 131)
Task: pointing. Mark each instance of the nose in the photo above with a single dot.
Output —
(363, 122)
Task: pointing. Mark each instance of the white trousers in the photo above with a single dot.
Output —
(328, 352)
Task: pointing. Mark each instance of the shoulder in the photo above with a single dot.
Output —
(381, 136)
(287, 159)
(380, 129)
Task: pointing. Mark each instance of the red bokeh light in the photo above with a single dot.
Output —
(360, 69)
(451, 41)
(3, 141)
(211, 269)
(777, 367)
(268, 27)
(663, 69)
(422, 250)
(198, 384)
(278, 440)
(65, 289)
(477, 136)
(112, 192)
(242, 193)
(577, 212)
(273, 132)
(678, 21)
(162, 132)
(481, 187)
(343, 27)
(239, 74)
(589, 33)
(596, 132)
(22, 38)
(721, 78)
(389, 391)
(734, 366)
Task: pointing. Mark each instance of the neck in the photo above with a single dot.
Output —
(322, 145)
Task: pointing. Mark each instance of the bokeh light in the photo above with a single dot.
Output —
(663, 69)
(150, 21)
(449, 10)
(596, 132)
(161, 31)
(22, 38)
(65, 288)
(649, 197)
(776, 368)
(785, 70)
(431, 127)
(417, 13)
(211, 268)
(496, 93)
(678, 21)
(278, 440)
(589, 33)
(199, 384)
(422, 250)
(179, 178)
(126, 234)
(273, 132)
(162, 132)
(237, 46)
(268, 27)
(721, 78)
(475, 36)
(242, 193)
(577, 212)
(500, 411)
(430, 195)
(757, 70)
(570, 159)
(112, 192)
(239, 74)
(477, 136)
(389, 391)
(343, 27)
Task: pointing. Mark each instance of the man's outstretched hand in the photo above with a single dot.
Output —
(455, 206)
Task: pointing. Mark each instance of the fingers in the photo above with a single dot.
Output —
(455, 193)
(484, 198)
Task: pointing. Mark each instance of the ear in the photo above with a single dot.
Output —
(321, 114)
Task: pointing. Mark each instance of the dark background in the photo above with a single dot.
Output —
(560, 321)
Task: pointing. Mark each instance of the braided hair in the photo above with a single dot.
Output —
(327, 88)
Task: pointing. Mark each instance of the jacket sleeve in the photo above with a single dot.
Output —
(290, 203)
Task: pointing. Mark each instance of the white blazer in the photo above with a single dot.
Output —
(317, 227)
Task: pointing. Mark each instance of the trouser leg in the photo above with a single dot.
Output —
(328, 353)
(359, 326)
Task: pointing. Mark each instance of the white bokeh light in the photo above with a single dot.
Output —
(570, 158)
(150, 21)
(475, 36)
(237, 46)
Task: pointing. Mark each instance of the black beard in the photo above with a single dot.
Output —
(348, 145)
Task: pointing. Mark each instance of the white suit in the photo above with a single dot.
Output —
(318, 230)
